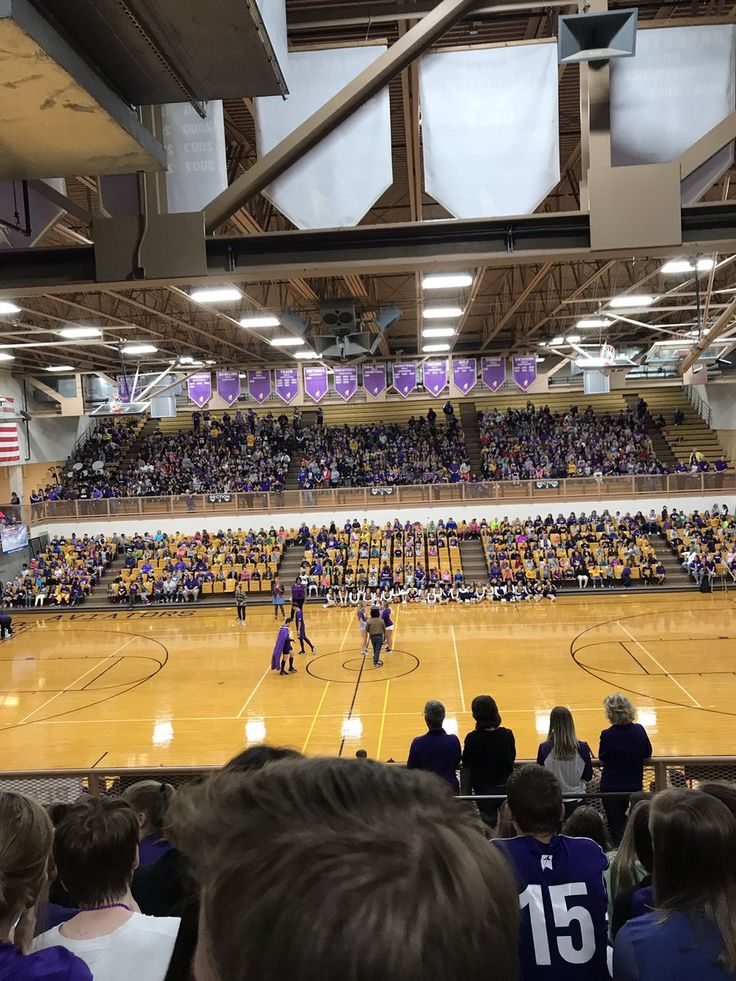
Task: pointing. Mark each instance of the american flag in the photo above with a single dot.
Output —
(9, 445)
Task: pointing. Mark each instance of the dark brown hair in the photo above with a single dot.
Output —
(694, 838)
(485, 712)
(256, 757)
(586, 822)
(95, 850)
(25, 847)
(360, 870)
(152, 798)
(535, 800)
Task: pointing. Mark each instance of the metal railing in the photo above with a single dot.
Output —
(549, 493)
(64, 786)
(699, 404)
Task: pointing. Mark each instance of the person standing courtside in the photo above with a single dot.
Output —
(436, 751)
(301, 633)
(376, 635)
(298, 595)
(241, 601)
(278, 599)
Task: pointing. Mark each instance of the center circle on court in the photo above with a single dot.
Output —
(344, 667)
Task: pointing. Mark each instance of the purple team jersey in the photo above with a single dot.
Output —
(563, 907)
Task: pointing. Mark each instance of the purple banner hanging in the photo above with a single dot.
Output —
(259, 384)
(435, 376)
(346, 381)
(199, 387)
(125, 388)
(374, 379)
(228, 386)
(493, 372)
(287, 384)
(525, 370)
(405, 377)
(464, 373)
(315, 381)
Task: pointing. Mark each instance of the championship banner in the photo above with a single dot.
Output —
(228, 386)
(199, 388)
(259, 384)
(346, 381)
(197, 164)
(464, 373)
(125, 389)
(525, 370)
(287, 384)
(405, 377)
(493, 372)
(315, 381)
(374, 379)
(435, 376)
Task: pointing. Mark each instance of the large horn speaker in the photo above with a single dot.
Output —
(597, 37)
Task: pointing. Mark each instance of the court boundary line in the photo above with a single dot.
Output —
(63, 691)
(457, 665)
(661, 667)
(383, 719)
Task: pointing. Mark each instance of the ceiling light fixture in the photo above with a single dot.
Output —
(438, 332)
(217, 294)
(573, 338)
(287, 342)
(556, 341)
(132, 349)
(77, 333)
(304, 355)
(442, 313)
(631, 301)
(4, 356)
(7, 307)
(674, 266)
(263, 321)
(435, 348)
(59, 367)
(447, 281)
(592, 323)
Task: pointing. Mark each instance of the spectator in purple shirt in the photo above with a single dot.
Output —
(150, 800)
(437, 751)
(26, 835)
(623, 749)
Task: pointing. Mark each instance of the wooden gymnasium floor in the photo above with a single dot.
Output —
(187, 687)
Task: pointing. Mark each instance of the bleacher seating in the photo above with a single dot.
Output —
(705, 543)
(63, 575)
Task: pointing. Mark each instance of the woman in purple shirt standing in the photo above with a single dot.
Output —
(150, 800)
(623, 749)
(26, 836)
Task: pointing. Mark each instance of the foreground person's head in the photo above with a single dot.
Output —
(333, 869)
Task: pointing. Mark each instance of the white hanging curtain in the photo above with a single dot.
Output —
(680, 84)
(490, 129)
(336, 183)
(197, 161)
(273, 13)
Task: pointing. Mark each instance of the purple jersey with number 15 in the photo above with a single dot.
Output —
(563, 907)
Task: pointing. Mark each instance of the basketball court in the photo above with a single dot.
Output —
(188, 687)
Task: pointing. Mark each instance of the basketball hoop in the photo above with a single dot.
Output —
(115, 405)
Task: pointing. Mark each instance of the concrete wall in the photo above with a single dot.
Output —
(721, 398)
(425, 514)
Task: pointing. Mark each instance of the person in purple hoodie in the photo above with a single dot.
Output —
(298, 595)
(150, 800)
(26, 836)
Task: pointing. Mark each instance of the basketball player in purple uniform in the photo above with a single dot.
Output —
(561, 890)
(283, 651)
(301, 632)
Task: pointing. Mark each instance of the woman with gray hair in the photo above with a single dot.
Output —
(624, 747)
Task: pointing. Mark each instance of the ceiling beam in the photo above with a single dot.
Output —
(520, 300)
(326, 15)
(326, 120)
(722, 324)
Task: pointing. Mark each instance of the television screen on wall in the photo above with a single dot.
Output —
(14, 537)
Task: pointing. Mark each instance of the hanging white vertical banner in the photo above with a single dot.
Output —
(680, 85)
(490, 129)
(335, 184)
(273, 13)
(197, 164)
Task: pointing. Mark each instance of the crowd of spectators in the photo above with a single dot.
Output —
(63, 575)
(705, 542)
(279, 866)
(424, 451)
(535, 443)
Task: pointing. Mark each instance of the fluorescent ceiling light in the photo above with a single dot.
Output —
(7, 307)
(446, 281)
(631, 301)
(685, 342)
(573, 338)
(186, 359)
(263, 321)
(4, 356)
(540, 360)
(442, 313)
(674, 266)
(592, 363)
(304, 355)
(77, 333)
(217, 294)
(435, 348)
(139, 349)
(590, 323)
(59, 367)
(438, 332)
(556, 341)
(287, 342)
